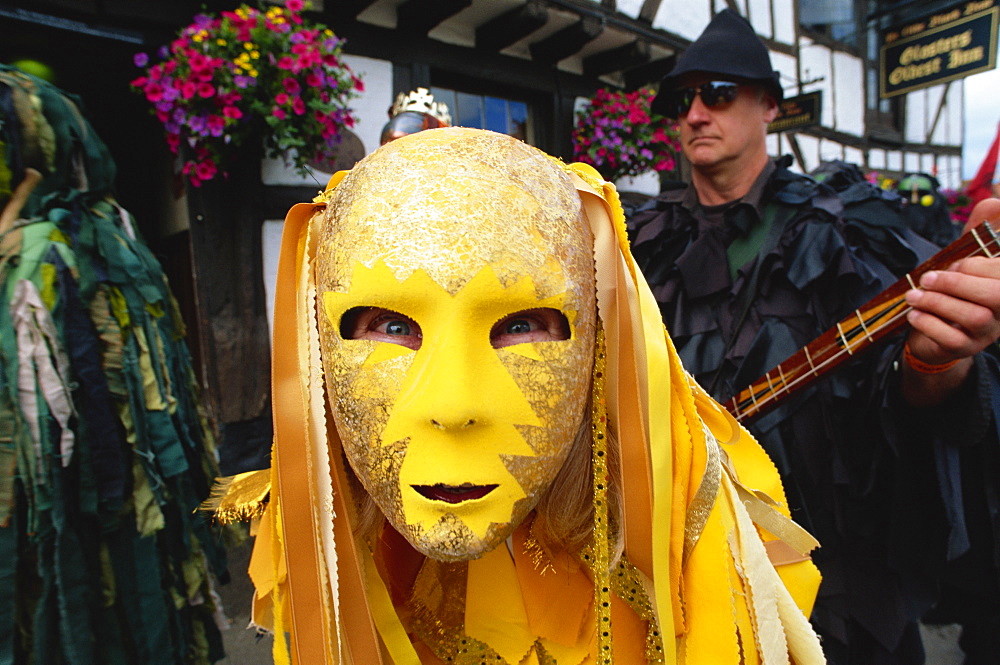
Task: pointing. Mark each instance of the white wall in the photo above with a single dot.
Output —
(815, 69)
(848, 94)
(854, 156)
(809, 145)
(784, 21)
(830, 151)
(686, 18)
(271, 242)
(630, 8)
(787, 66)
(759, 13)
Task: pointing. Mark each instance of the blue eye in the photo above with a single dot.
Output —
(543, 324)
(396, 328)
(381, 325)
(518, 327)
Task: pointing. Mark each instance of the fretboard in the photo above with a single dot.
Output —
(879, 317)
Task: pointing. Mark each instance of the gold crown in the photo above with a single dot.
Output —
(421, 101)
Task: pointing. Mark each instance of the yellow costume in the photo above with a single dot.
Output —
(448, 315)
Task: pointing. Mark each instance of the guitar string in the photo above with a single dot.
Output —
(752, 403)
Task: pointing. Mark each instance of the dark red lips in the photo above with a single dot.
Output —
(454, 493)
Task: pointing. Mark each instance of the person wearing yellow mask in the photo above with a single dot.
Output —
(486, 449)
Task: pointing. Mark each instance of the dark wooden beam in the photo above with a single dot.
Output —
(339, 11)
(567, 41)
(648, 11)
(500, 32)
(649, 73)
(622, 57)
(422, 16)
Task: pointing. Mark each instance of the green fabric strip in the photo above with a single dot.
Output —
(8, 590)
(744, 248)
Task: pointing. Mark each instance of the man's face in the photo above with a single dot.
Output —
(459, 316)
(712, 137)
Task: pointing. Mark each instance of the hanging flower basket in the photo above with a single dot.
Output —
(618, 135)
(959, 204)
(250, 72)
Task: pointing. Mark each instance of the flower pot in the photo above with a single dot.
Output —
(647, 183)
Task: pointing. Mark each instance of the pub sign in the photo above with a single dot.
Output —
(949, 44)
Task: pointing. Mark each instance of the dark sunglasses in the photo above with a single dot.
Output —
(713, 94)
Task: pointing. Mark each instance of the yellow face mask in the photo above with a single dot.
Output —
(457, 282)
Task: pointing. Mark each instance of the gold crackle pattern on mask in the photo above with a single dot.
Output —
(455, 230)
(430, 196)
(495, 452)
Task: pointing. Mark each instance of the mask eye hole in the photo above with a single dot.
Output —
(381, 325)
(543, 324)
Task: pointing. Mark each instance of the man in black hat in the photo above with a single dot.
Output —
(888, 460)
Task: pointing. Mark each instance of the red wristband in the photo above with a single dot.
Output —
(925, 368)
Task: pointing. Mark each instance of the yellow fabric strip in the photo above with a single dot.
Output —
(758, 580)
(240, 497)
(314, 396)
(709, 604)
(390, 628)
(358, 635)
(494, 609)
(768, 518)
(290, 458)
(622, 393)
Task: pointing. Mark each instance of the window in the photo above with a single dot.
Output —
(836, 19)
(506, 116)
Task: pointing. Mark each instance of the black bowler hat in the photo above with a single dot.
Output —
(729, 48)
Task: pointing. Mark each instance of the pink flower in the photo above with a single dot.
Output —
(298, 106)
(286, 62)
(188, 89)
(638, 116)
(232, 112)
(205, 170)
(205, 90)
(291, 85)
(216, 123)
(153, 91)
(294, 5)
(281, 99)
(279, 113)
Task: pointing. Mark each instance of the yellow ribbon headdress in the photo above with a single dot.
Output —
(703, 505)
